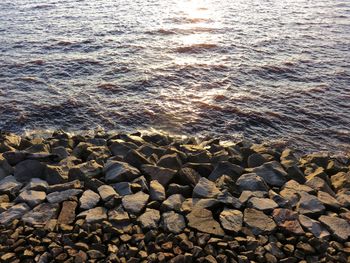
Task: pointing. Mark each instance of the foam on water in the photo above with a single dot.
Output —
(266, 70)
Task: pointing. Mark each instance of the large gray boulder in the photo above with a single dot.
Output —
(120, 172)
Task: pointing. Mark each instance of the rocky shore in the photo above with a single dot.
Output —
(156, 198)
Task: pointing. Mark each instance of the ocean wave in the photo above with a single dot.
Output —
(196, 48)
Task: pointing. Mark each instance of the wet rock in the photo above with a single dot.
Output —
(293, 171)
(58, 197)
(341, 181)
(320, 159)
(272, 173)
(162, 175)
(120, 172)
(231, 219)
(106, 192)
(263, 204)
(28, 169)
(288, 221)
(55, 174)
(171, 161)
(226, 168)
(205, 189)
(173, 202)
(157, 191)
(9, 185)
(258, 222)
(121, 148)
(251, 182)
(135, 203)
(13, 213)
(188, 176)
(41, 214)
(314, 227)
(255, 160)
(309, 205)
(149, 219)
(31, 197)
(202, 220)
(89, 199)
(328, 200)
(67, 215)
(338, 227)
(173, 222)
(94, 215)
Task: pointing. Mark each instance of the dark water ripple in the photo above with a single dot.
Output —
(262, 69)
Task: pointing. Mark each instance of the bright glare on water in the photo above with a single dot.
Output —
(265, 70)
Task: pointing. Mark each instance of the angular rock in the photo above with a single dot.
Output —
(157, 191)
(205, 189)
(121, 148)
(309, 205)
(328, 200)
(119, 216)
(341, 181)
(67, 214)
(41, 214)
(89, 200)
(123, 188)
(85, 171)
(31, 197)
(28, 169)
(171, 161)
(58, 197)
(188, 176)
(5, 168)
(135, 203)
(272, 173)
(106, 192)
(231, 220)
(185, 190)
(173, 202)
(94, 215)
(37, 184)
(76, 184)
(251, 182)
(314, 227)
(258, 221)
(282, 202)
(120, 172)
(343, 199)
(136, 159)
(288, 221)
(255, 160)
(15, 212)
(149, 219)
(173, 222)
(263, 204)
(9, 185)
(320, 185)
(55, 174)
(226, 168)
(338, 227)
(202, 220)
(162, 175)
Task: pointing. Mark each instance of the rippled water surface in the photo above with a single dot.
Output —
(262, 69)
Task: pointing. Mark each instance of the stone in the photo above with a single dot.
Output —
(123, 188)
(341, 181)
(135, 203)
(328, 200)
(171, 161)
(185, 190)
(28, 169)
(14, 212)
(157, 191)
(320, 159)
(251, 182)
(41, 214)
(294, 185)
(320, 185)
(309, 205)
(9, 185)
(258, 222)
(67, 214)
(76, 184)
(120, 172)
(338, 227)
(106, 192)
(314, 227)
(37, 184)
(205, 189)
(280, 201)
(149, 219)
(188, 176)
(162, 175)
(173, 222)
(202, 220)
(343, 199)
(85, 171)
(246, 195)
(31, 197)
(5, 168)
(118, 215)
(293, 171)
(173, 202)
(136, 159)
(231, 220)
(255, 160)
(263, 204)
(89, 200)
(121, 148)
(287, 220)
(94, 215)
(58, 197)
(226, 198)
(55, 174)
(272, 173)
(226, 168)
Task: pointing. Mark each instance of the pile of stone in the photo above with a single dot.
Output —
(157, 198)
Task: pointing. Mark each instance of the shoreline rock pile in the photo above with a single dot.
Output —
(156, 198)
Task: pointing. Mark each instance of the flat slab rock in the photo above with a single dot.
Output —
(41, 214)
(94, 215)
(58, 197)
(31, 197)
(258, 221)
(135, 203)
(288, 220)
(205, 189)
(202, 220)
(12, 213)
(338, 227)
